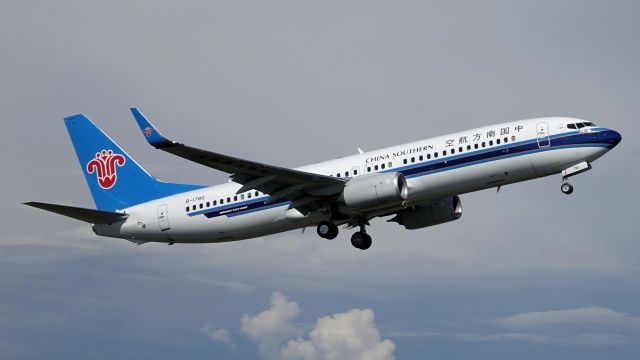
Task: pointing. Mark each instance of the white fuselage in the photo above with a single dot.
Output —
(434, 168)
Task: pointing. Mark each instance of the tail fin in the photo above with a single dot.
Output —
(116, 181)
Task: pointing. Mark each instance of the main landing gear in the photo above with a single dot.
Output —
(360, 239)
(327, 230)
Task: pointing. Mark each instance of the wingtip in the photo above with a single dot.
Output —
(150, 132)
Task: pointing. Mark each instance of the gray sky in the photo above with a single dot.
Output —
(528, 272)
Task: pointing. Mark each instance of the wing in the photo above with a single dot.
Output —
(307, 191)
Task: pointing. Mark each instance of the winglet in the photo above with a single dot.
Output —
(153, 136)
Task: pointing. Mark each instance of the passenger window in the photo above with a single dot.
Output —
(201, 206)
(453, 151)
(221, 201)
(444, 153)
(506, 140)
(404, 161)
(413, 159)
(355, 172)
(435, 155)
(208, 204)
(390, 164)
(468, 147)
(249, 195)
(193, 208)
(241, 196)
(368, 168)
(346, 174)
(228, 199)
(420, 157)
(428, 156)
(513, 138)
(460, 149)
(187, 208)
(257, 194)
(215, 203)
(490, 142)
(375, 167)
(484, 144)
(498, 141)
(338, 175)
(382, 166)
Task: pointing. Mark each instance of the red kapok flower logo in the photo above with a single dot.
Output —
(104, 165)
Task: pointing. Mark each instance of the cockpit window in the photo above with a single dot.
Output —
(580, 125)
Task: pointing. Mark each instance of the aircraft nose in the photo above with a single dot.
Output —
(614, 137)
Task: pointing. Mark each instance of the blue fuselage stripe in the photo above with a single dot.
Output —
(573, 139)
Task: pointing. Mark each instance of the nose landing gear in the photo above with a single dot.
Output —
(566, 188)
(573, 171)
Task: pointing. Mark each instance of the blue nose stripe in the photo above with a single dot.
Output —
(611, 137)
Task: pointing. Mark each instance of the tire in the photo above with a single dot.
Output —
(566, 188)
(367, 242)
(361, 240)
(327, 230)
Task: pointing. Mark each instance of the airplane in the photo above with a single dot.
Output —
(417, 184)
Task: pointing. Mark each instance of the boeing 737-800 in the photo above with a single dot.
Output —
(417, 184)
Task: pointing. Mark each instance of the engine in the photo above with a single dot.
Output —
(375, 191)
(430, 213)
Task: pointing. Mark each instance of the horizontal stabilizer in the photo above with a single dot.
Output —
(82, 214)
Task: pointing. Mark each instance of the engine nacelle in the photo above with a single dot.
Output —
(374, 191)
(430, 213)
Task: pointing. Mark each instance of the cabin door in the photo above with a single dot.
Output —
(543, 134)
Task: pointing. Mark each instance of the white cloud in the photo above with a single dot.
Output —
(589, 326)
(586, 315)
(540, 338)
(273, 326)
(349, 335)
(218, 335)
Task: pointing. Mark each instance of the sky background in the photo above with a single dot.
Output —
(527, 273)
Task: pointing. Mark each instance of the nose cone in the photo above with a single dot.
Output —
(614, 138)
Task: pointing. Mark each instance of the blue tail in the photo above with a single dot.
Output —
(115, 179)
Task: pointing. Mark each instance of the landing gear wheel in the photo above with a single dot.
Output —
(327, 230)
(566, 188)
(361, 240)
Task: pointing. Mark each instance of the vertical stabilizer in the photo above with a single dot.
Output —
(116, 181)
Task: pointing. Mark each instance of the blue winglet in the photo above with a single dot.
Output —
(153, 136)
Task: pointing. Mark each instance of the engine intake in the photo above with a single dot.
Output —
(374, 191)
(430, 213)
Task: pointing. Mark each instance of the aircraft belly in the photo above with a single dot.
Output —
(240, 227)
(470, 178)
